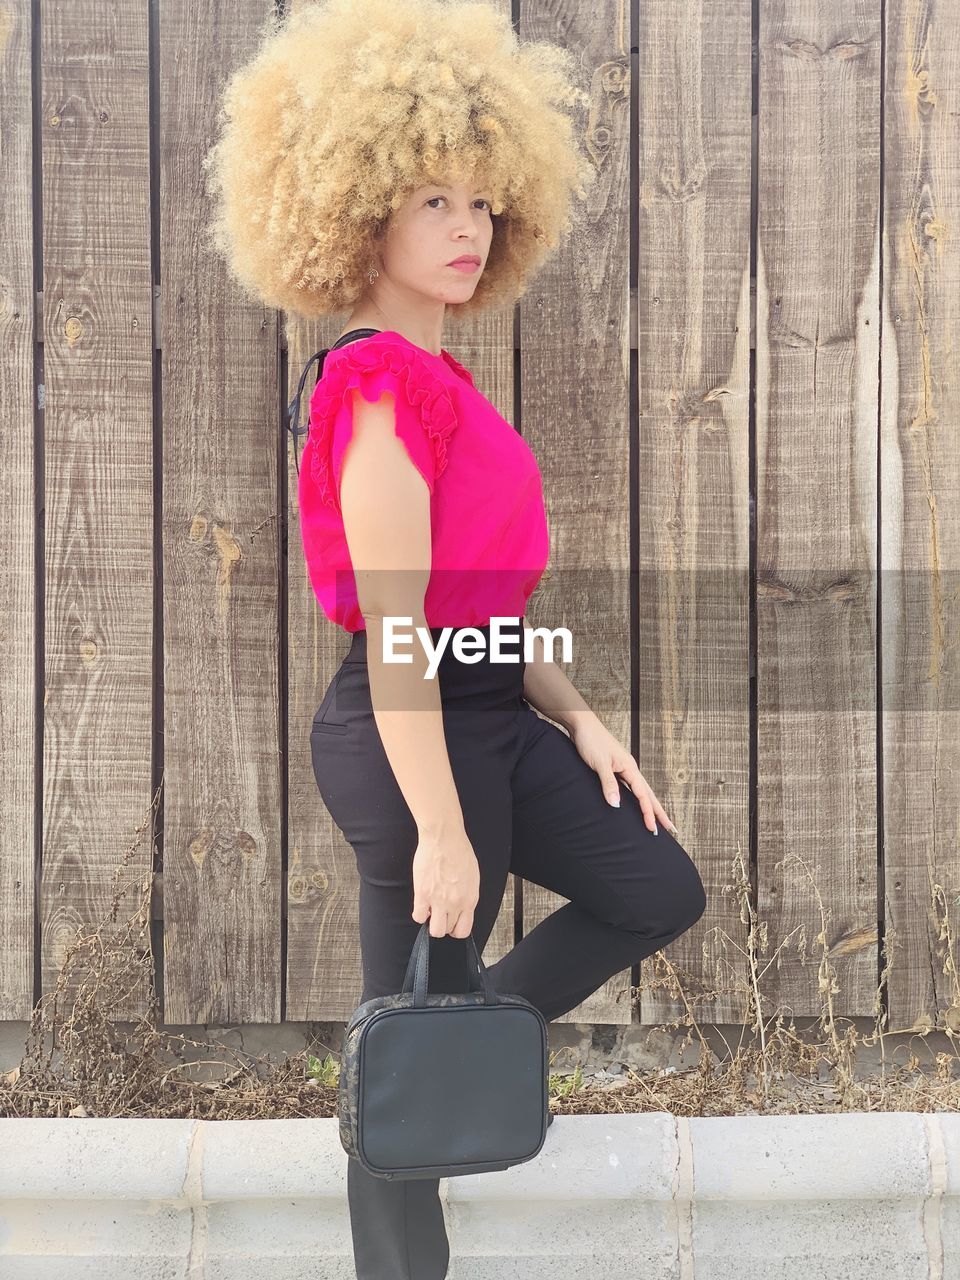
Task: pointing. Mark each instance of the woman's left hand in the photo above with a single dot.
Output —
(603, 753)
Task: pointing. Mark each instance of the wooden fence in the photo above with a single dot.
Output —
(740, 378)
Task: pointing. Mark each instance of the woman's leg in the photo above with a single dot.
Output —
(630, 892)
(397, 1225)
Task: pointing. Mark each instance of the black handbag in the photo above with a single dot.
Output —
(434, 1085)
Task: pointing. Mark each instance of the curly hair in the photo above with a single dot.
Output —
(347, 106)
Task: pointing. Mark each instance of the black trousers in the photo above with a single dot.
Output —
(532, 806)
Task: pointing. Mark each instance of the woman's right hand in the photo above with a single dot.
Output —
(446, 884)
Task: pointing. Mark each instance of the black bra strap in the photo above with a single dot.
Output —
(354, 334)
(292, 415)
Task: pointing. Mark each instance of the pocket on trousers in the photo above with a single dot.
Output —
(321, 723)
(324, 726)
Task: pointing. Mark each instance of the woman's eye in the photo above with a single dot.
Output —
(481, 199)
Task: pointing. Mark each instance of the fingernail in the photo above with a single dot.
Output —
(655, 831)
(614, 800)
(674, 830)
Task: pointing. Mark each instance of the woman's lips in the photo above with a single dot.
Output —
(468, 267)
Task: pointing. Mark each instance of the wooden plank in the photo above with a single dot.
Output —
(324, 978)
(817, 353)
(19, 548)
(818, 336)
(575, 412)
(486, 346)
(920, 515)
(98, 473)
(693, 321)
(221, 411)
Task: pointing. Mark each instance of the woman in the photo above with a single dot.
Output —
(400, 162)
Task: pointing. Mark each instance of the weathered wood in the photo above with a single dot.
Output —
(208, 415)
(98, 559)
(486, 346)
(221, 412)
(817, 308)
(323, 977)
(920, 515)
(693, 353)
(19, 550)
(575, 410)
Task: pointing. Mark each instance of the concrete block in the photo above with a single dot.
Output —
(810, 1197)
(609, 1197)
(601, 1188)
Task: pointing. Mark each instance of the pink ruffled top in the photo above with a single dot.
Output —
(490, 539)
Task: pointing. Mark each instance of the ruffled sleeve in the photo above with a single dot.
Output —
(425, 413)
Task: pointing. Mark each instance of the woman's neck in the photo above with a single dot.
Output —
(368, 320)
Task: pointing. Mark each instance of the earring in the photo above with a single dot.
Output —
(372, 274)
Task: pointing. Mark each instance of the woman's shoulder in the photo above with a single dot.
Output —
(388, 360)
(458, 368)
(425, 389)
(391, 350)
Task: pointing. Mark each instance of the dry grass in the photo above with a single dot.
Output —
(80, 1061)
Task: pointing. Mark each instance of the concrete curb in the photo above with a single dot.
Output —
(615, 1196)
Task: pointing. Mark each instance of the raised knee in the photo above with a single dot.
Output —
(686, 911)
(690, 897)
(681, 906)
(696, 900)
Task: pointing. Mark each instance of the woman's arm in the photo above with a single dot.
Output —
(385, 503)
(546, 687)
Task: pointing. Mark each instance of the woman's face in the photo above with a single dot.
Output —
(435, 225)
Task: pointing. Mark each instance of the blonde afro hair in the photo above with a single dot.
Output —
(349, 105)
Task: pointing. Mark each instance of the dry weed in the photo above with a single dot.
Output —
(80, 1061)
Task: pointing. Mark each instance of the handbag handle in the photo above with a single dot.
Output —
(418, 969)
(291, 417)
